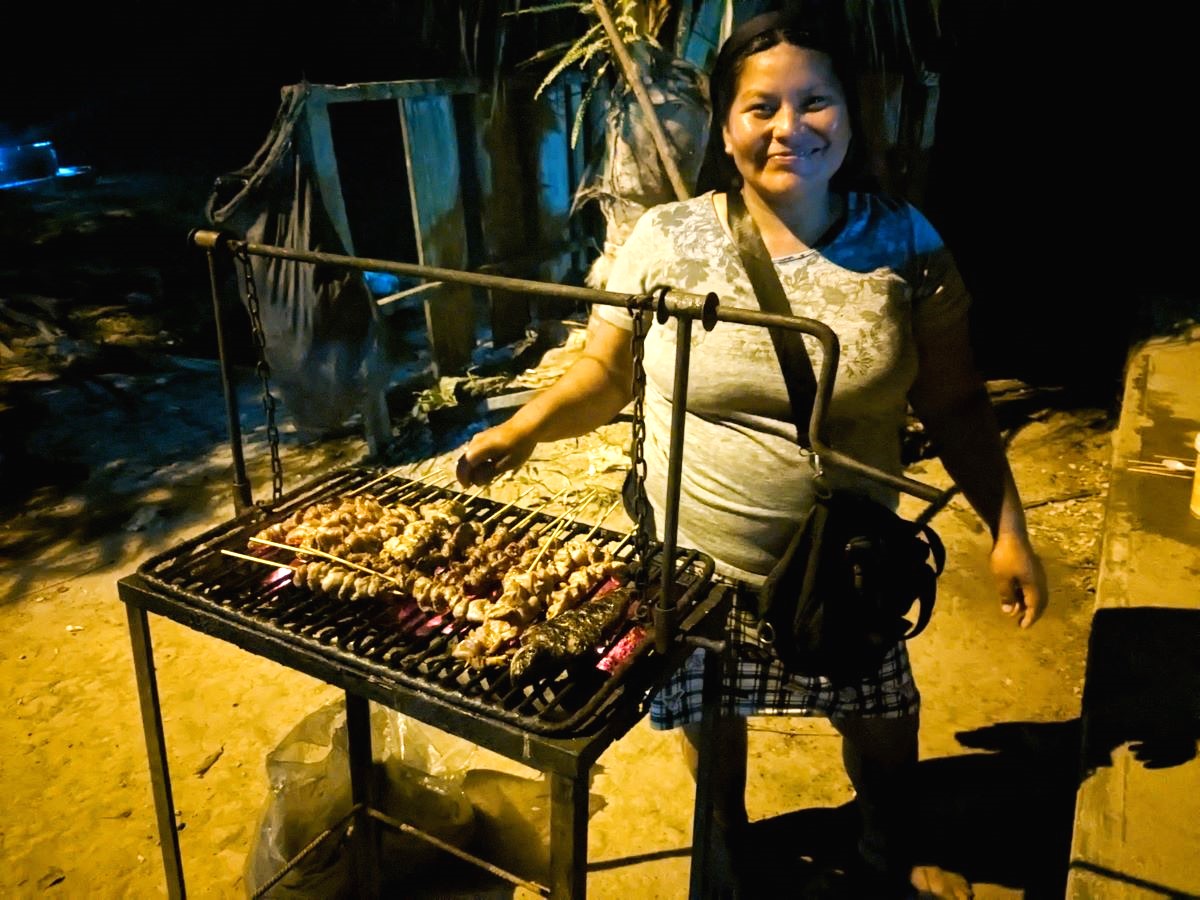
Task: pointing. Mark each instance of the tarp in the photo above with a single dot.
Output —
(320, 325)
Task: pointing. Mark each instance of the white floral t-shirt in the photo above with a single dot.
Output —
(884, 275)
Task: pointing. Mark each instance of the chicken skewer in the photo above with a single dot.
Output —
(331, 557)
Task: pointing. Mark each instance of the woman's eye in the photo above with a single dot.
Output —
(816, 103)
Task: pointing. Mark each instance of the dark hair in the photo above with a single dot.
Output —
(717, 171)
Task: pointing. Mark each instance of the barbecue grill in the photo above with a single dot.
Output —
(397, 655)
(389, 651)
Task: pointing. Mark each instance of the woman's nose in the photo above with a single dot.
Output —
(787, 121)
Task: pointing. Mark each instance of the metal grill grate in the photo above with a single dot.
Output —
(392, 639)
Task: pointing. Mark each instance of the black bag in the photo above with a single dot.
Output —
(835, 602)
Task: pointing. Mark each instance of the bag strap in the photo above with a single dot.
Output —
(789, 345)
(928, 590)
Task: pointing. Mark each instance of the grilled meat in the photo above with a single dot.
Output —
(557, 641)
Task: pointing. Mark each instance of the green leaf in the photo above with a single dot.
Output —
(550, 7)
(547, 53)
(577, 52)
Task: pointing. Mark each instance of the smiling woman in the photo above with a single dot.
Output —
(787, 132)
(873, 269)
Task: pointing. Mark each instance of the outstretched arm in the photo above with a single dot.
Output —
(591, 392)
(951, 400)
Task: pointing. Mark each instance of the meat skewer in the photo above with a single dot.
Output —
(563, 638)
(526, 587)
(337, 559)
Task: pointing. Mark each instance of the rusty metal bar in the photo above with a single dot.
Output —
(671, 302)
(664, 609)
(312, 845)
(242, 498)
(156, 749)
(706, 765)
(460, 853)
(365, 846)
(568, 836)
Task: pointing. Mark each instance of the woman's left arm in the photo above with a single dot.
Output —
(951, 400)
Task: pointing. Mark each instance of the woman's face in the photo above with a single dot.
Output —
(788, 126)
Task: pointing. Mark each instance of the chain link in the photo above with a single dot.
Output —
(641, 506)
(263, 370)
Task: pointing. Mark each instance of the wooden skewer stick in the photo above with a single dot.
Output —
(419, 486)
(498, 513)
(562, 522)
(548, 541)
(529, 518)
(258, 559)
(363, 487)
(608, 512)
(330, 557)
(625, 540)
(573, 511)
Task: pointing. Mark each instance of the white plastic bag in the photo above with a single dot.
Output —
(419, 775)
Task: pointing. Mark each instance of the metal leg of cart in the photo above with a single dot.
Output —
(568, 836)
(156, 748)
(366, 831)
(700, 885)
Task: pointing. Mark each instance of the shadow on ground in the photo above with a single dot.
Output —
(999, 817)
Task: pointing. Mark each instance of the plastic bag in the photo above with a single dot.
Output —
(418, 779)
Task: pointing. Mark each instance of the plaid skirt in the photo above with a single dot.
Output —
(753, 683)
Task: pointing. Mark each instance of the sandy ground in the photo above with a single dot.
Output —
(998, 738)
(127, 461)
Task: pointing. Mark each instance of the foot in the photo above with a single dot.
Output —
(930, 881)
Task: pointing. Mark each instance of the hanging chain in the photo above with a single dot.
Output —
(263, 370)
(641, 506)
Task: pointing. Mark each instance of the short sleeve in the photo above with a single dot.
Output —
(940, 298)
(628, 273)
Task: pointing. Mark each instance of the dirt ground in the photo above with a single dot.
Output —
(141, 465)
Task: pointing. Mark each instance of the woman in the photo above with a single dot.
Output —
(874, 270)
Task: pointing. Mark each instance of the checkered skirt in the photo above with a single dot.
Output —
(753, 683)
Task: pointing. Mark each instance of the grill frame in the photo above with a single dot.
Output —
(196, 584)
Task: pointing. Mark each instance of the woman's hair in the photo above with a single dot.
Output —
(717, 171)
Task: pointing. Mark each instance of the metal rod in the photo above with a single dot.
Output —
(672, 302)
(366, 835)
(435, 273)
(461, 854)
(633, 78)
(568, 836)
(707, 755)
(312, 845)
(156, 749)
(242, 499)
(664, 609)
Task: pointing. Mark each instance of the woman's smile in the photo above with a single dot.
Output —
(788, 127)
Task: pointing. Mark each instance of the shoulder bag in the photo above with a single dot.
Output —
(836, 601)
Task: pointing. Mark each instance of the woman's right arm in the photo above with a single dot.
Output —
(589, 394)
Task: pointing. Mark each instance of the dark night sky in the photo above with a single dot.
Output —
(1060, 160)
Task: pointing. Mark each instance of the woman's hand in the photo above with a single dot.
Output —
(499, 449)
(1020, 578)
